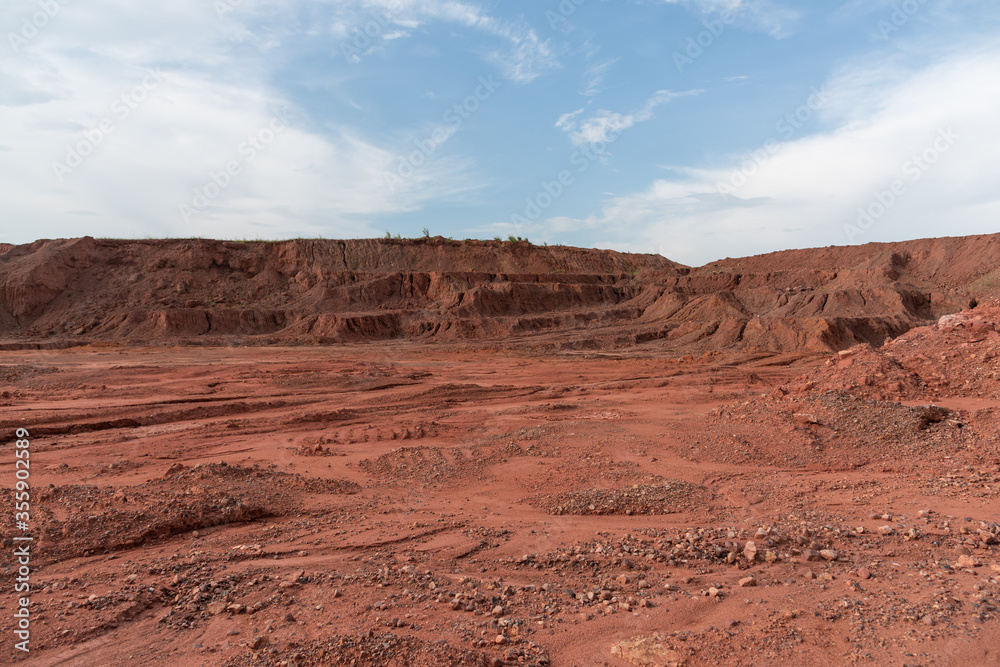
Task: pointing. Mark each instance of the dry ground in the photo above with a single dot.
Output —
(414, 505)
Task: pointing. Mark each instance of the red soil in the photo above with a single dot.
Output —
(516, 466)
(68, 292)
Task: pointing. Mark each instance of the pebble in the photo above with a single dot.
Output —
(967, 561)
(747, 581)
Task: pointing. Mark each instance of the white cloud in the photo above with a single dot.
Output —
(519, 52)
(809, 192)
(168, 139)
(595, 76)
(777, 20)
(605, 125)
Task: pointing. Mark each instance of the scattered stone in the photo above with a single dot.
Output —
(965, 561)
(647, 652)
(174, 469)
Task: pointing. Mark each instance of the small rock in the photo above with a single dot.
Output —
(500, 640)
(746, 582)
(497, 611)
(829, 554)
(750, 551)
(174, 469)
(967, 561)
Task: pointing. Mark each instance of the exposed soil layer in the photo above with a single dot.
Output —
(58, 293)
(404, 504)
(427, 452)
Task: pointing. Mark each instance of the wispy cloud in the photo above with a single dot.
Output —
(603, 125)
(595, 75)
(216, 91)
(773, 18)
(520, 54)
(812, 188)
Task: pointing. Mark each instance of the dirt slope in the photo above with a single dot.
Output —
(66, 292)
(415, 505)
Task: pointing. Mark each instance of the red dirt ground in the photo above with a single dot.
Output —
(578, 469)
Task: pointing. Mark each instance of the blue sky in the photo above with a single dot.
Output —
(697, 129)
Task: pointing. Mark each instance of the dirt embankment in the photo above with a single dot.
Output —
(428, 505)
(64, 292)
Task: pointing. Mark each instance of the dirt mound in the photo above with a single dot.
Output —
(63, 292)
(829, 430)
(954, 357)
(305, 291)
(76, 520)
